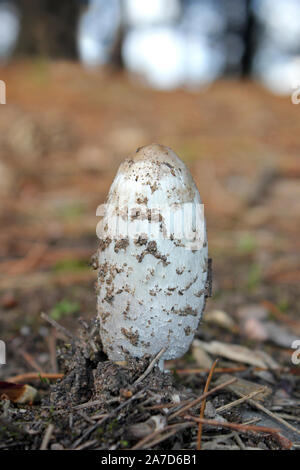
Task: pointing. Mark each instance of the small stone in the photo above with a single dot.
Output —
(25, 330)
(57, 446)
(210, 411)
(252, 311)
(9, 301)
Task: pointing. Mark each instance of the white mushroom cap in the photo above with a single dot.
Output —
(152, 257)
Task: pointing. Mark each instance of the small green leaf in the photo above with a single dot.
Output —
(64, 308)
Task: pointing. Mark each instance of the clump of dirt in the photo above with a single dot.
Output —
(90, 375)
(96, 399)
(99, 404)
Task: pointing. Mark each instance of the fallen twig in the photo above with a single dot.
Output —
(150, 367)
(199, 399)
(30, 261)
(240, 400)
(87, 444)
(289, 417)
(59, 327)
(51, 340)
(37, 280)
(284, 442)
(90, 404)
(172, 428)
(106, 418)
(239, 441)
(273, 415)
(30, 360)
(229, 370)
(47, 437)
(34, 376)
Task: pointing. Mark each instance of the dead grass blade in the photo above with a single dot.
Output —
(151, 366)
(283, 441)
(199, 399)
(33, 376)
(240, 400)
(199, 436)
(151, 441)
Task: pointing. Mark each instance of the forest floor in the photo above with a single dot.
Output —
(63, 133)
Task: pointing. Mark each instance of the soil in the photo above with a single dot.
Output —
(63, 133)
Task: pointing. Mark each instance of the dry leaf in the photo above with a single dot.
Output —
(141, 430)
(219, 318)
(201, 357)
(18, 393)
(245, 387)
(238, 353)
(279, 335)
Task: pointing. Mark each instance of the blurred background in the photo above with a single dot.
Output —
(87, 82)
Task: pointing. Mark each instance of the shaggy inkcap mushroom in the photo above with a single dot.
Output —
(152, 258)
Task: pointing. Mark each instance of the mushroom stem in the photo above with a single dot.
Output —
(161, 365)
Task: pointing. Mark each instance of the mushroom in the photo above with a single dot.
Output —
(152, 259)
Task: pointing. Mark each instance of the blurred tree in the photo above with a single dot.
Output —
(48, 27)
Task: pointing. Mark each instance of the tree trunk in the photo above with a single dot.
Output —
(48, 28)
